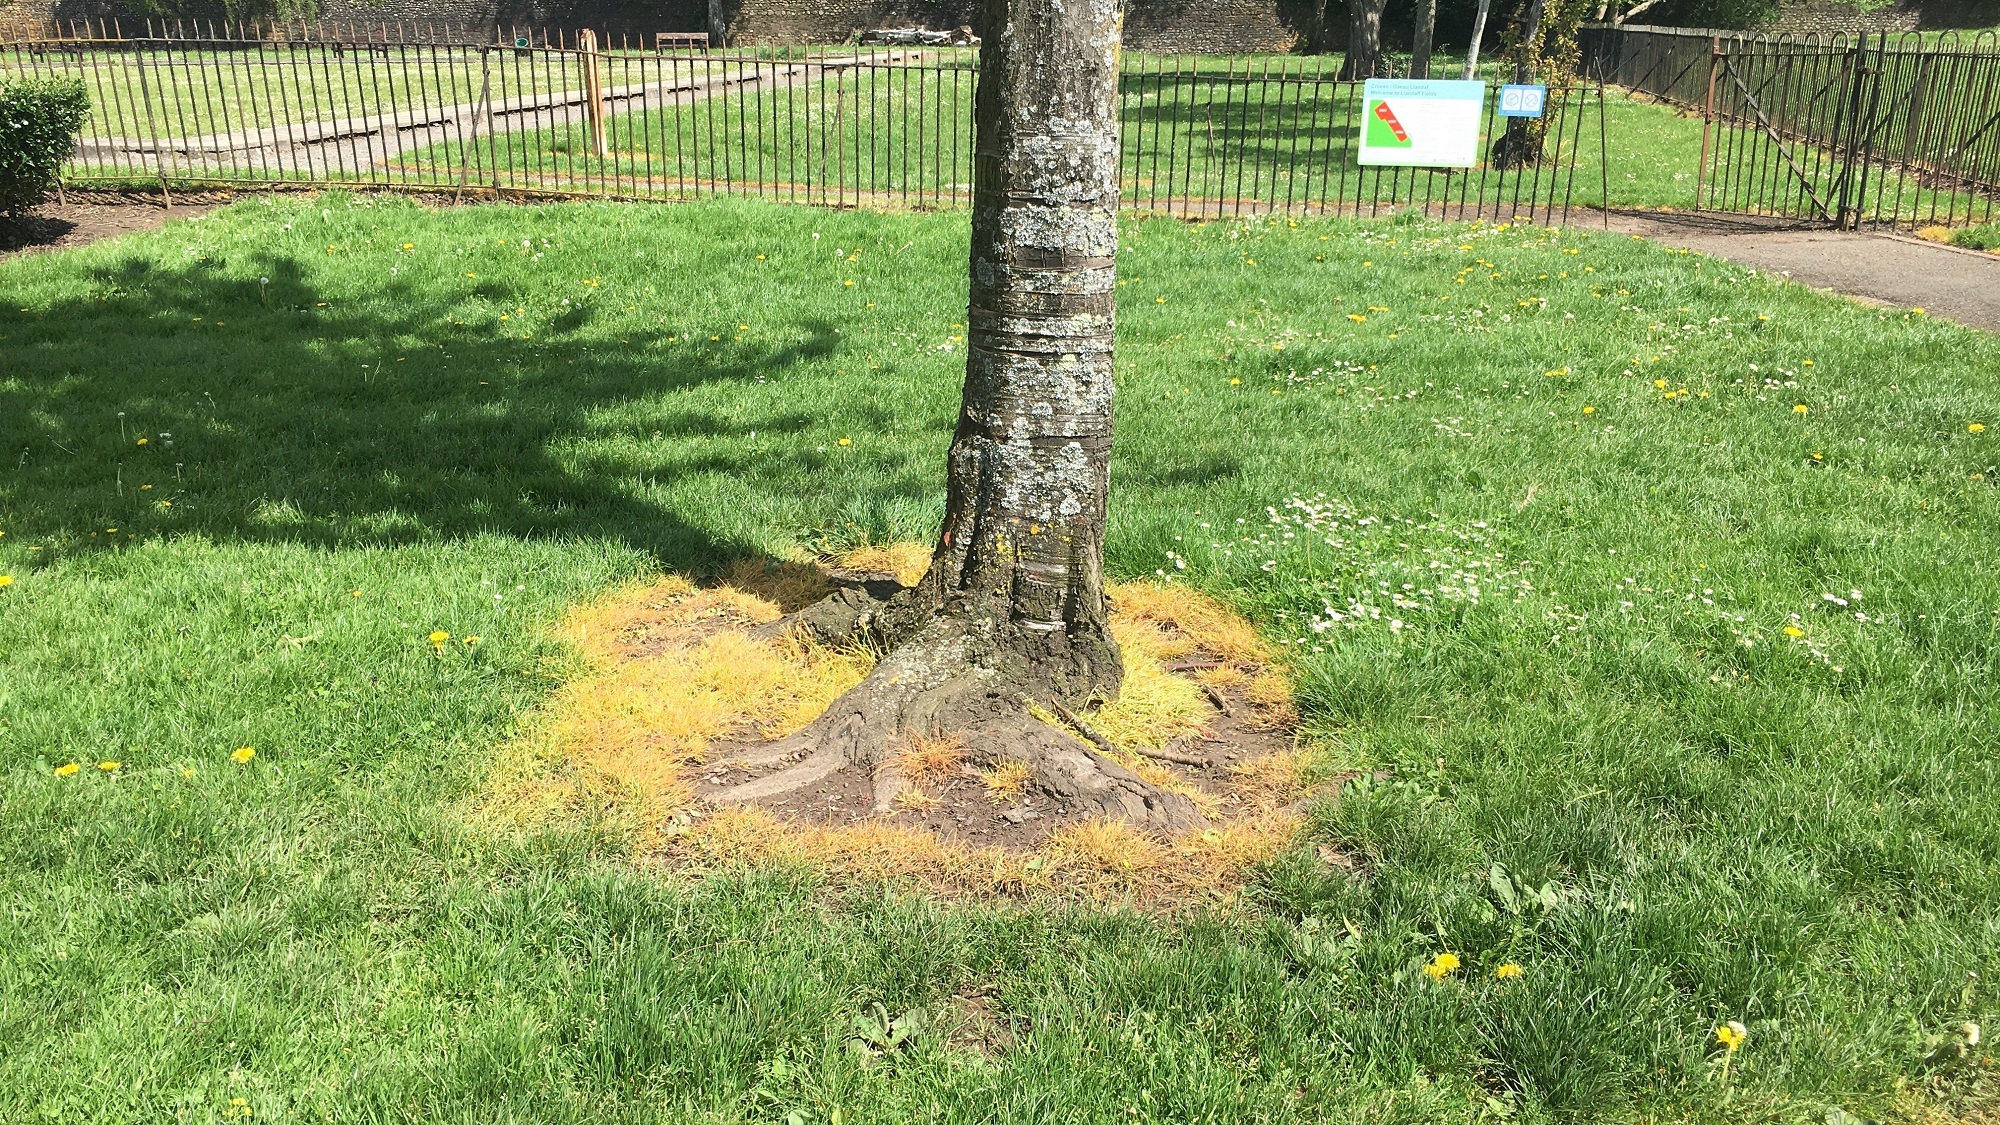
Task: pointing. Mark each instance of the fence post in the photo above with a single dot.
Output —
(1707, 120)
(1857, 74)
(593, 89)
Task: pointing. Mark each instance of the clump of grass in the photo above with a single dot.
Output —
(907, 561)
(1006, 779)
(1985, 236)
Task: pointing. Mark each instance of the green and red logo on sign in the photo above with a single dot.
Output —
(1385, 129)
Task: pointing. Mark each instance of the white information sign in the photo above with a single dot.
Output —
(1420, 123)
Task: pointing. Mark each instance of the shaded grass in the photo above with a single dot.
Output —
(1798, 834)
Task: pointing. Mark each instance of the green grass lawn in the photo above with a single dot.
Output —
(1256, 137)
(192, 93)
(1685, 696)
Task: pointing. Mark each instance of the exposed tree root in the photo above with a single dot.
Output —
(950, 679)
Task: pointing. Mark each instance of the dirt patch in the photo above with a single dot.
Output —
(683, 675)
(86, 218)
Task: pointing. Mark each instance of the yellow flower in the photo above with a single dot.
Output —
(1731, 1035)
(1794, 631)
(242, 754)
(1441, 966)
(1507, 971)
(1660, 383)
(142, 441)
(1976, 428)
(1801, 408)
(472, 640)
(1356, 317)
(1236, 382)
(67, 770)
(6, 580)
(109, 767)
(440, 637)
(1917, 312)
(1590, 410)
(845, 441)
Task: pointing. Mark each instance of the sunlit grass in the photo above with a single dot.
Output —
(1617, 726)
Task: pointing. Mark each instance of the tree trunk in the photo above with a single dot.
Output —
(1521, 145)
(1012, 610)
(1478, 33)
(1420, 45)
(1364, 40)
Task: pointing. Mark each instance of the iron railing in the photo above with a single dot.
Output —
(561, 114)
(1838, 130)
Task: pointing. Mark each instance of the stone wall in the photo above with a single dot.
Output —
(1827, 17)
(1204, 26)
(1211, 26)
(453, 20)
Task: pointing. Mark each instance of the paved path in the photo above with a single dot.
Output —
(1947, 281)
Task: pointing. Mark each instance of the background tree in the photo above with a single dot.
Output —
(1421, 37)
(1012, 611)
(1478, 35)
(1364, 40)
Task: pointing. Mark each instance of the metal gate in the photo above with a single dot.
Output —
(1835, 131)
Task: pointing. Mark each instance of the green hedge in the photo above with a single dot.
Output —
(39, 121)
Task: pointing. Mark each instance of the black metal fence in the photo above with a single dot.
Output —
(1839, 130)
(561, 114)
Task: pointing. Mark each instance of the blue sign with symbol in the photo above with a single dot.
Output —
(1523, 101)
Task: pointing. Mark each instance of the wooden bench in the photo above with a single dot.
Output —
(680, 41)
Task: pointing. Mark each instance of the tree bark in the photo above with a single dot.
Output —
(1478, 33)
(1420, 45)
(1521, 145)
(1012, 611)
(1364, 40)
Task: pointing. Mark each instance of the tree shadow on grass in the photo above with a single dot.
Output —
(179, 399)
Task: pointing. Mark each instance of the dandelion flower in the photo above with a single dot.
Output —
(242, 754)
(1794, 631)
(1801, 408)
(1731, 1035)
(1508, 971)
(1590, 410)
(472, 640)
(1356, 317)
(1976, 428)
(6, 580)
(439, 637)
(68, 769)
(845, 441)
(1441, 966)
(109, 766)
